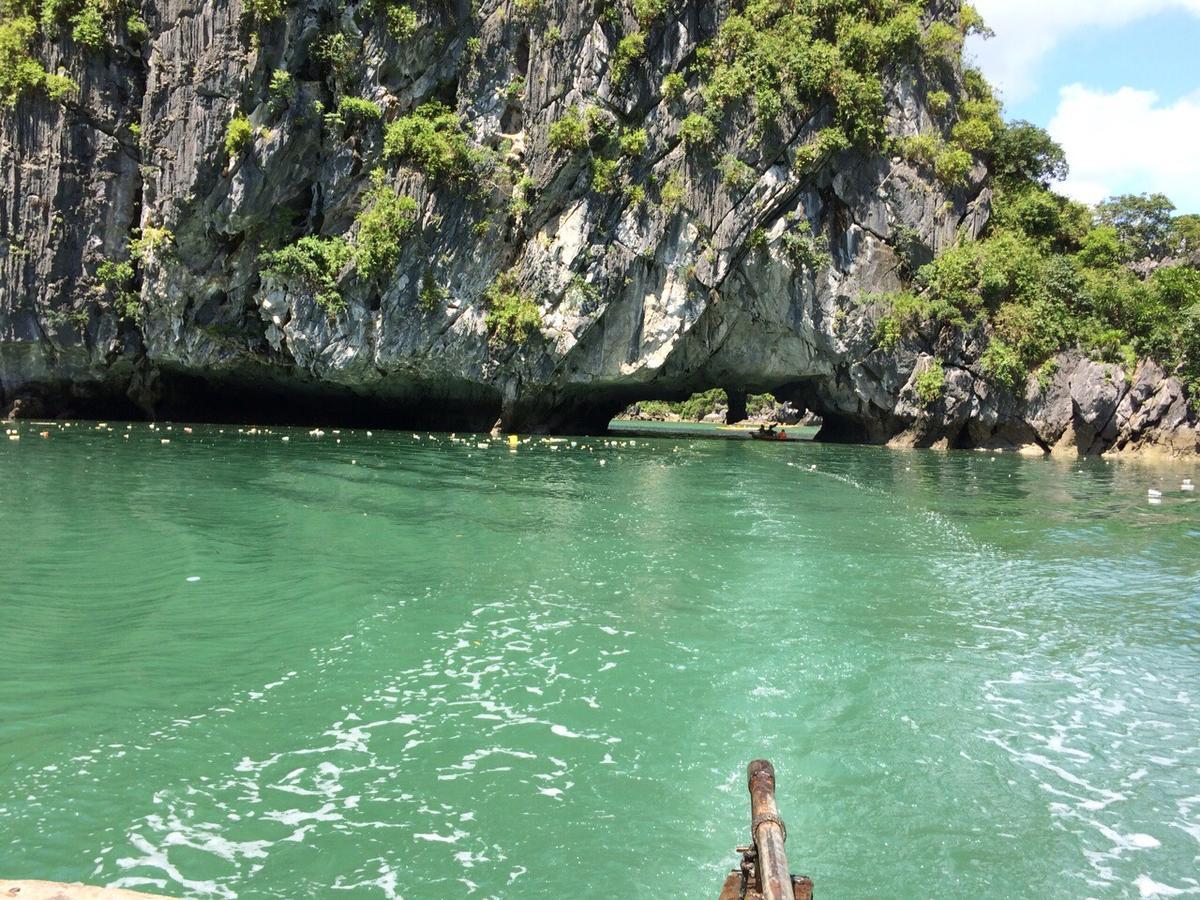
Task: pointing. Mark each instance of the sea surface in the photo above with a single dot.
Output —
(273, 663)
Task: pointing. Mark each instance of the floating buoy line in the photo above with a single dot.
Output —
(1155, 496)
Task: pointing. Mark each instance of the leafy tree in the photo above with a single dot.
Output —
(1024, 152)
(569, 132)
(1185, 234)
(604, 175)
(18, 71)
(316, 262)
(673, 86)
(697, 131)
(383, 225)
(238, 134)
(87, 26)
(337, 53)
(647, 11)
(1102, 248)
(355, 111)
(512, 317)
(402, 21)
(630, 48)
(282, 86)
(1051, 219)
(263, 11)
(1143, 222)
(432, 139)
(633, 142)
(930, 385)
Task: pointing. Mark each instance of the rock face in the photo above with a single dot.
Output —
(640, 298)
(1084, 408)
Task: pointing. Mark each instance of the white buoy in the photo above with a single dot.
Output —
(1153, 494)
(1187, 485)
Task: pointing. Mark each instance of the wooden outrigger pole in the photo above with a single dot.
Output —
(764, 873)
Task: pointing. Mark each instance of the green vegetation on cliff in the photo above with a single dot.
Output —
(1048, 274)
(512, 316)
(383, 225)
(92, 25)
(791, 59)
(238, 134)
(318, 263)
(431, 139)
(20, 25)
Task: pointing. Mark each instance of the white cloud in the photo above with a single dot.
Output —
(1027, 30)
(1126, 141)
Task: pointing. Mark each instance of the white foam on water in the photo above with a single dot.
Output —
(433, 837)
(1148, 888)
(327, 813)
(387, 882)
(155, 857)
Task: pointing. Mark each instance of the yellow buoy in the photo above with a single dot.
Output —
(513, 440)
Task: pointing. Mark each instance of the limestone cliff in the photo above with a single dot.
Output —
(676, 277)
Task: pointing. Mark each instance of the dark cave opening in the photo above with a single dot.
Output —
(257, 398)
(245, 399)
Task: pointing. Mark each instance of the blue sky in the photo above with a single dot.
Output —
(1117, 82)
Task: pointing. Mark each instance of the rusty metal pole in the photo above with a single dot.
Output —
(768, 833)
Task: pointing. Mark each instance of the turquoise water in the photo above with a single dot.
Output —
(409, 666)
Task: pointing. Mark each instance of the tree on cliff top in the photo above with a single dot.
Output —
(1143, 222)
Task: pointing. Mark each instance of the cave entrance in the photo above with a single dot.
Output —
(602, 409)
